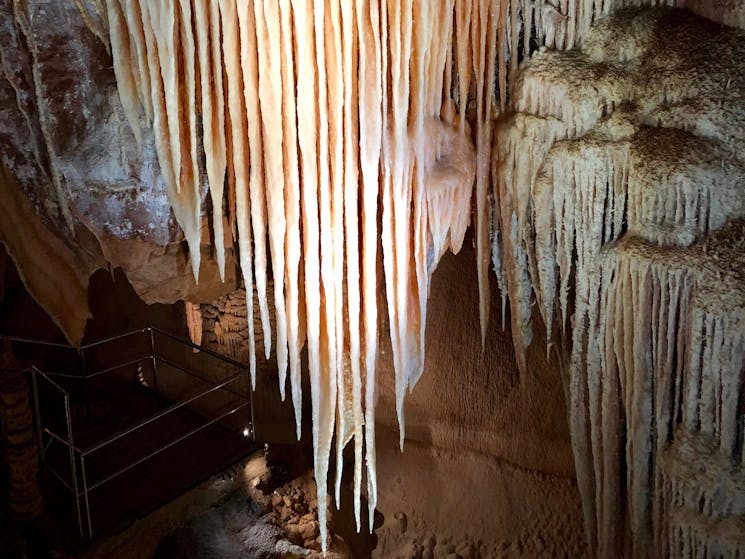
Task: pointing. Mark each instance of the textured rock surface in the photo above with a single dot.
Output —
(622, 181)
(65, 141)
(649, 96)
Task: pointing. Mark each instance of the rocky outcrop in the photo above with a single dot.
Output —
(66, 147)
(55, 273)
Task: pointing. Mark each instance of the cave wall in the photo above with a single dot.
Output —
(66, 147)
(621, 176)
(487, 463)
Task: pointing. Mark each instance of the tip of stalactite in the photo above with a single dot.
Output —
(196, 258)
(401, 423)
(220, 255)
(337, 488)
(521, 360)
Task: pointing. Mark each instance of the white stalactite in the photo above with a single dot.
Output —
(322, 114)
(348, 127)
(606, 198)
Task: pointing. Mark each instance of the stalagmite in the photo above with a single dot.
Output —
(194, 322)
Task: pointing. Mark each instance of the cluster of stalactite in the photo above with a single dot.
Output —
(621, 193)
(346, 144)
(341, 130)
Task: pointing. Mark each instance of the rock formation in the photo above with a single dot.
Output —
(324, 156)
(621, 187)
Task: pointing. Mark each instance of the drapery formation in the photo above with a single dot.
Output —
(345, 145)
(620, 183)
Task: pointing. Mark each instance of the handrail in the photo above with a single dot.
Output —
(38, 341)
(115, 367)
(197, 376)
(63, 375)
(59, 439)
(146, 329)
(208, 351)
(114, 338)
(49, 380)
(165, 447)
(124, 432)
(82, 455)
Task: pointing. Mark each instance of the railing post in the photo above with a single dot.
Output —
(73, 469)
(84, 373)
(154, 361)
(37, 412)
(85, 496)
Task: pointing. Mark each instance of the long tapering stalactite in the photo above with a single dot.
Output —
(348, 145)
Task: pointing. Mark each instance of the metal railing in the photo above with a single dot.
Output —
(77, 371)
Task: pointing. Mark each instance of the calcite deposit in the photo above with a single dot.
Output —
(323, 156)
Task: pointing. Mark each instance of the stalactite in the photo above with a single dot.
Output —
(348, 127)
(611, 206)
(249, 66)
(184, 198)
(292, 211)
(270, 96)
(370, 93)
(237, 125)
(311, 108)
(125, 79)
(212, 112)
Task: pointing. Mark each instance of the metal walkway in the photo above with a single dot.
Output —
(129, 422)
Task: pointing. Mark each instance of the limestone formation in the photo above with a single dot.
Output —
(595, 145)
(621, 184)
